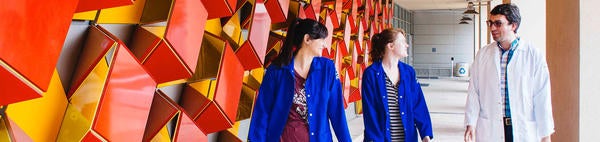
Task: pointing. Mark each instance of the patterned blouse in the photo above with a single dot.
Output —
(296, 128)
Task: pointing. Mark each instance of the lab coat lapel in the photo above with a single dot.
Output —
(496, 60)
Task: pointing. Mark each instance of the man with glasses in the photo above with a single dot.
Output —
(509, 90)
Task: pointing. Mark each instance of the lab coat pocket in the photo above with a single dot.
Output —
(523, 98)
(529, 132)
(483, 129)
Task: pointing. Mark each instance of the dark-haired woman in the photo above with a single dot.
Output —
(301, 93)
(393, 103)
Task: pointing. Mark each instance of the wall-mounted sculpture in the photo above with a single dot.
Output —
(159, 70)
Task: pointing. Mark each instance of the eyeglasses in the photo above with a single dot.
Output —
(496, 24)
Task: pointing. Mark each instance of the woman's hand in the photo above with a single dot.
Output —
(426, 139)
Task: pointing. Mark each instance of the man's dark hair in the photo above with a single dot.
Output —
(511, 12)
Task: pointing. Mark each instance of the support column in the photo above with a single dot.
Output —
(563, 62)
(572, 56)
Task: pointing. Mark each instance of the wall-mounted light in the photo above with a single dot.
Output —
(470, 9)
(466, 18)
(463, 22)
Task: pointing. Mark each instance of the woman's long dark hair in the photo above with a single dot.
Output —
(295, 35)
(380, 40)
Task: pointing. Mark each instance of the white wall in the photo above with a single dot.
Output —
(439, 29)
(533, 21)
(589, 70)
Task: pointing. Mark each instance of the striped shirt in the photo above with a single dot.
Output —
(396, 126)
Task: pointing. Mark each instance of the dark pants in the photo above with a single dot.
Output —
(508, 133)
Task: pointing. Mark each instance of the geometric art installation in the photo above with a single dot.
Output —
(87, 5)
(185, 30)
(252, 81)
(94, 50)
(253, 51)
(170, 52)
(283, 13)
(157, 55)
(232, 27)
(31, 38)
(183, 70)
(128, 14)
(101, 105)
(156, 11)
(213, 99)
(163, 111)
(278, 10)
(10, 131)
(26, 114)
(220, 8)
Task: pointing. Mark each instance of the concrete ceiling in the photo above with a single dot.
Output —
(435, 4)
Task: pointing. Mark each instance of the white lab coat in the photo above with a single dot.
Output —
(529, 94)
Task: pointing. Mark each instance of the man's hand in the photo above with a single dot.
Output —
(546, 139)
(426, 139)
(469, 134)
